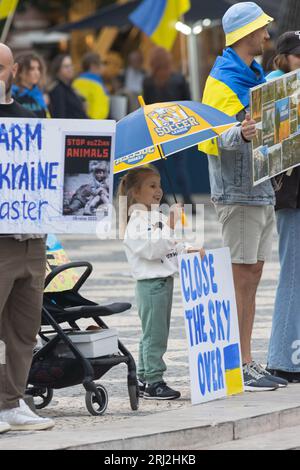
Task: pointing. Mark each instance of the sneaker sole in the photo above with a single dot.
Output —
(5, 429)
(259, 389)
(32, 427)
(281, 385)
(146, 397)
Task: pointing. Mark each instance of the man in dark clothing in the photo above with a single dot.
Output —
(22, 274)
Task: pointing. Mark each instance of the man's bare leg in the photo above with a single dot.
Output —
(246, 280)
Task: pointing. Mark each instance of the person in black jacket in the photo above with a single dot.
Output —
(284, 347)
(165, 85)
(64, 101)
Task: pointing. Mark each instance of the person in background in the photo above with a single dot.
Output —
(164, 84)
(22, 276)
(65, 103)
(287, 54)
(285, 335)
(90, 86)
(134, 73)
(111, 70)
(29, 80)
(131, 81)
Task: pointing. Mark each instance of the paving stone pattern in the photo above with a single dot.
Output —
(111, 281)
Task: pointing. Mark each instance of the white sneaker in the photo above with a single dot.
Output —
(23, 419)
(4, 427)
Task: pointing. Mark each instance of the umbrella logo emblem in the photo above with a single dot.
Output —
(171, 120)
(135, 157)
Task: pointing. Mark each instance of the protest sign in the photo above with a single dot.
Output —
(55, 175)
(275, 106)
(211, 325)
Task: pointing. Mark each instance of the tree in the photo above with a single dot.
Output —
(290, 15)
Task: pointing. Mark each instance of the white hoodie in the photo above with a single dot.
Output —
(150, 247)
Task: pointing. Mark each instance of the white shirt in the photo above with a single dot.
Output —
(150, 246)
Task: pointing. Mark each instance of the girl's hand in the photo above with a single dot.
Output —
(194, 250)
(175, 215)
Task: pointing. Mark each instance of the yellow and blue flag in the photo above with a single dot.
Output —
(56, 256)
(228, 88)
(233, 369)
(7, 7)
(157, 19)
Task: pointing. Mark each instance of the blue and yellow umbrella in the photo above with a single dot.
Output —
(158, 130)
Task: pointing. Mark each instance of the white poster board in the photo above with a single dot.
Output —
(55, 175)
(211, 325)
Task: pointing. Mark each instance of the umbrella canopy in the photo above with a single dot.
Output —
(161, 129)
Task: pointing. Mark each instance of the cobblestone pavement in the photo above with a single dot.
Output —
(111, 281)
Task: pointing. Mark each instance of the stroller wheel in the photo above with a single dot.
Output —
(133, 392)
(95, 406)
(42, 398)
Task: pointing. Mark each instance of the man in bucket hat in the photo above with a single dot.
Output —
(245, 212)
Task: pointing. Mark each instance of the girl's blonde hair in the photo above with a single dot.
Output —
(129, 183)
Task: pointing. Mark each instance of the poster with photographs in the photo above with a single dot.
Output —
(275, 106)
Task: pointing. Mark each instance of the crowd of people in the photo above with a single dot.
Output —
(246, 213)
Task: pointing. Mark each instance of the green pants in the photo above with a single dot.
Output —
(154, 301)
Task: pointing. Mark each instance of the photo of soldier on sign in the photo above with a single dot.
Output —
(87, 168)
(275, 106)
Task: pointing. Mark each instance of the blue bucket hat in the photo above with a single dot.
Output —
(242, 19)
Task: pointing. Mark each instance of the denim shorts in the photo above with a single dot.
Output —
(247, 231)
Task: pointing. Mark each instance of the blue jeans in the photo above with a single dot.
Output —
(284, 347)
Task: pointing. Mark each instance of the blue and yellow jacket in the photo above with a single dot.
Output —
(91, 87)
(230, 157)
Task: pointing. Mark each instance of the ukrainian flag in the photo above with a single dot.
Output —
(228, 88)
(233, 372)
(157, 19)
(56, 256)
(7, 7)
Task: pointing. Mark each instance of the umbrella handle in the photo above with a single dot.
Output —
(141, 101)
(183, 219)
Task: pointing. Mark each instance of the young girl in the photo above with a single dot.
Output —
(152, 254)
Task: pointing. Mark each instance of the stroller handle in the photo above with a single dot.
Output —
(64, 267)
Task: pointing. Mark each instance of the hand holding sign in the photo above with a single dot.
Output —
(248, 128)
(201, 251)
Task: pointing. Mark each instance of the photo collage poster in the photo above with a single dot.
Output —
(275, 106)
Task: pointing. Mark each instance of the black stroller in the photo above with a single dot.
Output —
(50, 370)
